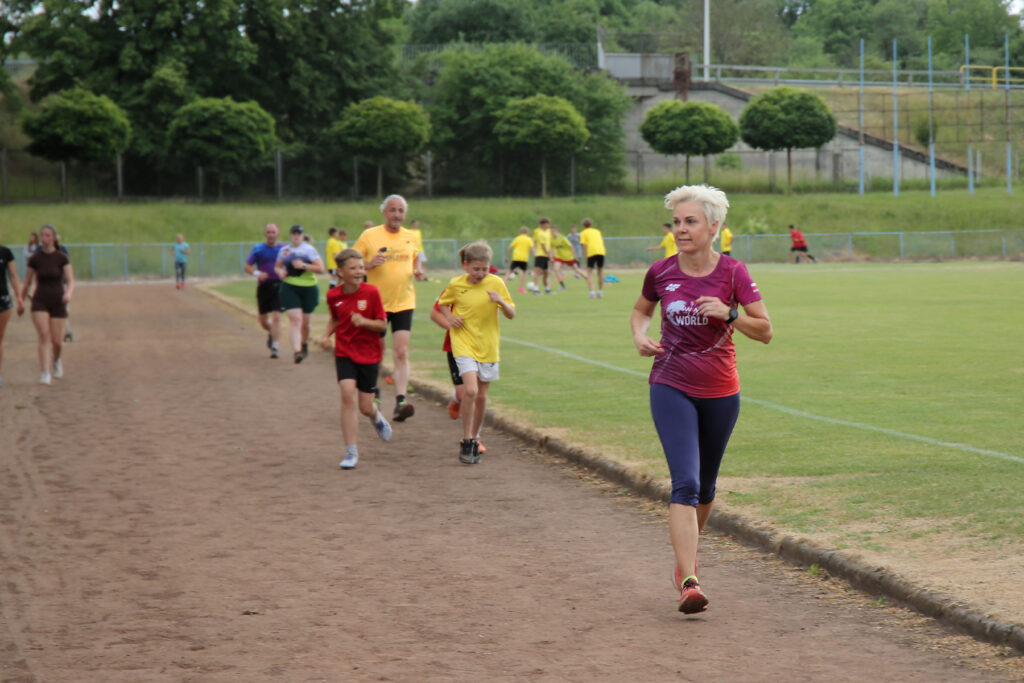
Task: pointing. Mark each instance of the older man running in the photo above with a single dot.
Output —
(390, 254)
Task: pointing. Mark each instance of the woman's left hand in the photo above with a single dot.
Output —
(712, 307)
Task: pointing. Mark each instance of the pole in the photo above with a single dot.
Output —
(860, 118)
(3, 172)
(895, 125)
(970, 147)
(430, 174)
(931, 126)
(707, 40)
(120, 177)
(1009, 144)
(279, 174)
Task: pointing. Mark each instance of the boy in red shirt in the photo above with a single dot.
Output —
(799, 245)
(357, 320)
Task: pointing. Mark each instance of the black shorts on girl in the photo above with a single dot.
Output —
(364, 375)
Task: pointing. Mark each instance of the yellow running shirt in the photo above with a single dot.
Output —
(726, 239)
(479, 336)
(394, 278)
(668, 243)
(542, 238)
(563, 249)
(334, 247)
(521, 247)
(591, 238)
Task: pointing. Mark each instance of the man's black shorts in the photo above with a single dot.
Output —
(399, 320)
(267, 298)
(595, 261)
(540, 262)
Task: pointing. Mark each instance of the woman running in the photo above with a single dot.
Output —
(10, 296)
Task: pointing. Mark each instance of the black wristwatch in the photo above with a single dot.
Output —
(733, 314)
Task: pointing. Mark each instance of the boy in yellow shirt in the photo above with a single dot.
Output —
(470, 303)
(335, 245)
(593, 250)
(668, 242)
(520, 248)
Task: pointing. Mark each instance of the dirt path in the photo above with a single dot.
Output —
(173, 511)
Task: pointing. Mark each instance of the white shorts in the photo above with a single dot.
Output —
(486, 372)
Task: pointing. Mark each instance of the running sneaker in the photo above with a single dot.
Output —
(677, 575)
(350, 462)
(68, 336)
(298, 357)
(305, 349)
(477, 451)
(453, 409)
(593, 296)
(273, 352)
(383, 428)
(547, 290)
(600, 294)
(692, 599)
(270, 341)
(403, 411)
(58, 369)
(45, 378)
(466, 455)
(561, 285)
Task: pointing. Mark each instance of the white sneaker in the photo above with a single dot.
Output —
(593, 296)
(600, 294)
(58, 369)
(45, 378)
(350, 462)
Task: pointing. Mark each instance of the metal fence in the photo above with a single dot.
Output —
(155, 261)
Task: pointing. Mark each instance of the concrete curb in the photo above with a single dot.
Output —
(874, 580)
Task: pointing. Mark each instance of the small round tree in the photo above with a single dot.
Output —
(77, 125)
(379, 128)
(785, 118)
(224, 136)
(544, 126)
(690, 128)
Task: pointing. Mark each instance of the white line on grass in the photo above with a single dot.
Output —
(791, 411)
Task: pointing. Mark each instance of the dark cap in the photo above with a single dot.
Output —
(296, 228)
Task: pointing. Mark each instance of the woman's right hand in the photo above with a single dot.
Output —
(647, 346)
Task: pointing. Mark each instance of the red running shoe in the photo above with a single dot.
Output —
(677, 576)
(692, 600)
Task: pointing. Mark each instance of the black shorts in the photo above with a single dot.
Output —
(595, 261)
(364, 375)
(268, 299)
(803, 249)
(6, 302)
(727, 251)
(400, 320)
(518, 265)
(453, 368)
(540, 262)
(50, 300)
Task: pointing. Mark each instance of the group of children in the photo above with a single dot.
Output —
(553, 252)
(467, 309)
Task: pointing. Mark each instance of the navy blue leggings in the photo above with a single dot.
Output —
(694, 433)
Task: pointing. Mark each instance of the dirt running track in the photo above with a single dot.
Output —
(173, 511)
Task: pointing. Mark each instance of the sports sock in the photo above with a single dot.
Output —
(351, 450)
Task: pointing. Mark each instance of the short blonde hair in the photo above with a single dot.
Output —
(711, 200)
(476, 251)
(346, 255)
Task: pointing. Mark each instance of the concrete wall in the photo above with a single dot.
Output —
(838, 159)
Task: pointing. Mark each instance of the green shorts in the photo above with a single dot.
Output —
(293, 296)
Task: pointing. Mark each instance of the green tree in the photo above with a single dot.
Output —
(381, 127)
(222, 136)
(690, 128)
(471, 21)
(545, 126)
(473, 87)
(77, 125)
(785, 118)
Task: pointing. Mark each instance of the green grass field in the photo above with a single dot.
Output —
(888, 406)
(466, 219)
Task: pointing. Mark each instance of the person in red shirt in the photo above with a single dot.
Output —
(799, 245)
(694, 388)
(357, 320)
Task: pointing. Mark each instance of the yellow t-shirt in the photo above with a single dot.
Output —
(521, 247)
(394, 278)
(726, 239)
(591, 239)
(668, 243)
(334, 247)
(563, 249)
(478, 338)
(542, 239)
